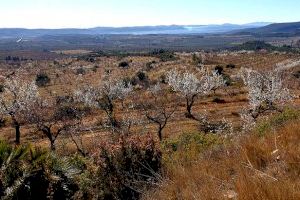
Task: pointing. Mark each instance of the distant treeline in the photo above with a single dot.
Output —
(261, 45)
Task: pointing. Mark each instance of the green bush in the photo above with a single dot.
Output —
(164, 55)
(123, 64)
(32, 173)
(42, 80)
(277, 121)
(197, 140)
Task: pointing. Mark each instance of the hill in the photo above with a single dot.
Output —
(277, 29)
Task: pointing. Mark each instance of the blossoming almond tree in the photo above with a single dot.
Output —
(16, 101)
(191, 87)
(104, 97)
(265, 92)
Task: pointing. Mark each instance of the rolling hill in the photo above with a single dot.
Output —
(277, 29)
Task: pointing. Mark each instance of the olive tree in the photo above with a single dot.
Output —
(17, 100)
(191, 86)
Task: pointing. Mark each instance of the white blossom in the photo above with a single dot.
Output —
(190, 86)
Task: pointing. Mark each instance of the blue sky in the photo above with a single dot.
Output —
(92, 13)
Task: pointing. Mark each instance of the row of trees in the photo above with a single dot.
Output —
(20, 100)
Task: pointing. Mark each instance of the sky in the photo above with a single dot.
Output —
(118, 13)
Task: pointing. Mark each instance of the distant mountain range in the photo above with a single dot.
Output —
(275, 30)
(138, 30)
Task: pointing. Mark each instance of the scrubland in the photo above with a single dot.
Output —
(219, 125)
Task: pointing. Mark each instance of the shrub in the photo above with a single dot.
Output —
(196, 140)
(124, 64)
(250, 167)
(125, 169)
(149, 65)
(164, 55)
(95, 68)
(218, 100)
(42, 80)
(141, 76)
(219, 69)
(163, 79)
(277, 121)
(227, 79)
(2, 122)
(31, 173)
(80, 71)
(230, 66)
(215, 127)
(297, 74)
(197, 60)
(1, 88)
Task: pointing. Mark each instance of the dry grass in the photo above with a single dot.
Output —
(252, 167)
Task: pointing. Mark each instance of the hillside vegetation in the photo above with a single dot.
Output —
(159, 125)
(261, 165)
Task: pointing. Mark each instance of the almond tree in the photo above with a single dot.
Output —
(105, 96)
(265, 92)
(53, 119)
(158, 109)
(191, 87)
(16, 101)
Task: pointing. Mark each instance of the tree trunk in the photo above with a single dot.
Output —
(52, 145)
(160, 134)
(47, 131)
(17, 126)
(189, 105)
(189, 111)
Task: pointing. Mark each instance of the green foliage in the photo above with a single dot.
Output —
(42, 80)
(124, 64)
(33, 173)
(260, 45)
(187, 141)
(277, 121)
(164, 55)
(227, 79)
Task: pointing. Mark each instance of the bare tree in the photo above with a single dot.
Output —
(191, 87)
(16, 101)
(157, 109)
(105, 96)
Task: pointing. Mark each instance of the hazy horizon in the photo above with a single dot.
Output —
(55, 14)
(155, 25)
